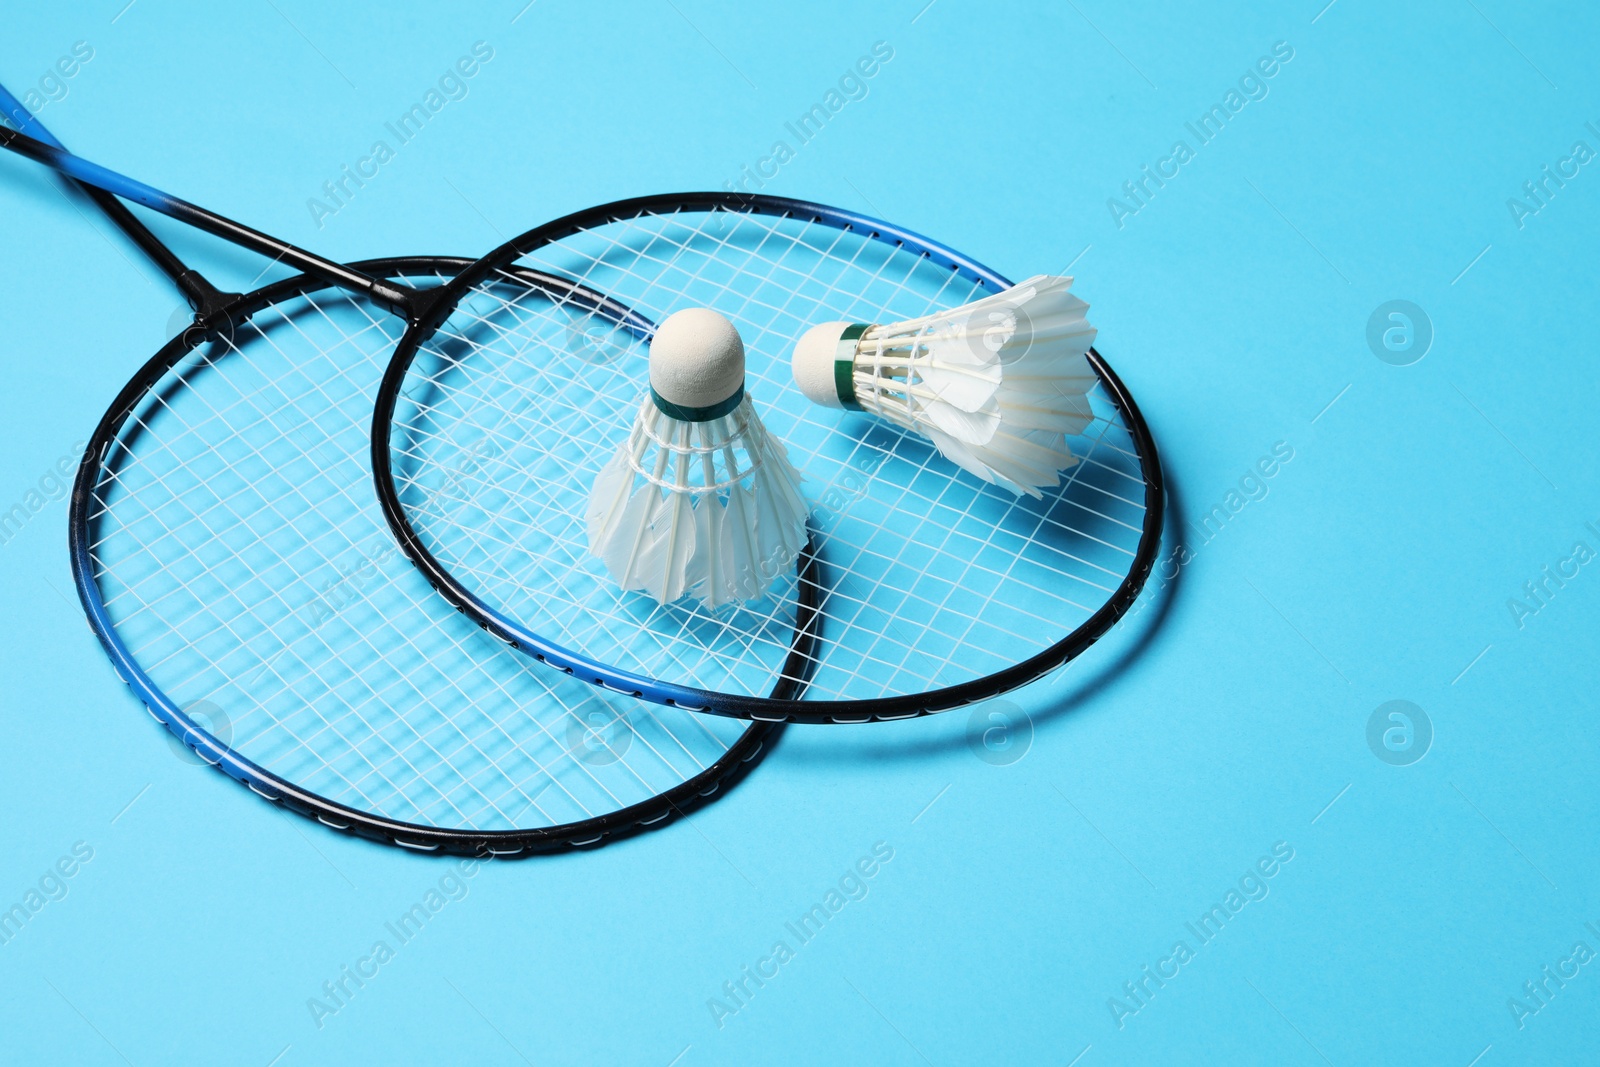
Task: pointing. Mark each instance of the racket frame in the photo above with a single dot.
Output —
(217, 313)
(775, 708)
(687, 795)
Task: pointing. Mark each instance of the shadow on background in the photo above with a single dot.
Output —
(947, 731)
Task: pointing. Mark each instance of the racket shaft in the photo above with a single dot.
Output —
(195, 288)
(217, 225)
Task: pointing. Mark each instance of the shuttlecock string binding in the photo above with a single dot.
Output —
(701, 499)
(996, 385)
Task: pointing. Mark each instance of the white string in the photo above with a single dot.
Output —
(933, 578)
(238, 482)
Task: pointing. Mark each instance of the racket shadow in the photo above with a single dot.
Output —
(971, 570)
(883, 745)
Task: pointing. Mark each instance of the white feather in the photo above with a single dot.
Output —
(997, 385)
(709, 509)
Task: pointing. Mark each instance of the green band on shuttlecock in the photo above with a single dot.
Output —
(683, 414)
(844, 365)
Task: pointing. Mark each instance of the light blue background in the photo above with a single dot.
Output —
(1021, 897)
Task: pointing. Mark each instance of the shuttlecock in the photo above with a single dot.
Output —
(701, 499)
(997, 385)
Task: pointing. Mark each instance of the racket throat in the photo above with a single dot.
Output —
(420, 307)
(212, 307)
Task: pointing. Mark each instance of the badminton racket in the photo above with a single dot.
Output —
(232, 561)
(941, 590)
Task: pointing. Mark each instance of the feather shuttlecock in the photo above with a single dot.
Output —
(701, 499)
(997, 385)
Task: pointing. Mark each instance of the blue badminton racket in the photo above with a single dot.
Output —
(233, 562)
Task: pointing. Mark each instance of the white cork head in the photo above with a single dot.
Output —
(814, 356)
(696, 359)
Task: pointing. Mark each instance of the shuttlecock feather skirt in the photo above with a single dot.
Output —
(997, 386)
(712, 508)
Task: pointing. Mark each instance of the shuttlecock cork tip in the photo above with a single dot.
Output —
(816, 358)
(696, 363)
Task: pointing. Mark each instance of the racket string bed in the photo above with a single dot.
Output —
(353, 708)
(232, 558)
(223, 624)
(933, 579)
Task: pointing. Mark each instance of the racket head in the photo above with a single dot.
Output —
(231, 560)
(938, 590)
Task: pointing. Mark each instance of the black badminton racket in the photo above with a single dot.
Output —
(232, 561)
(940, 590)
